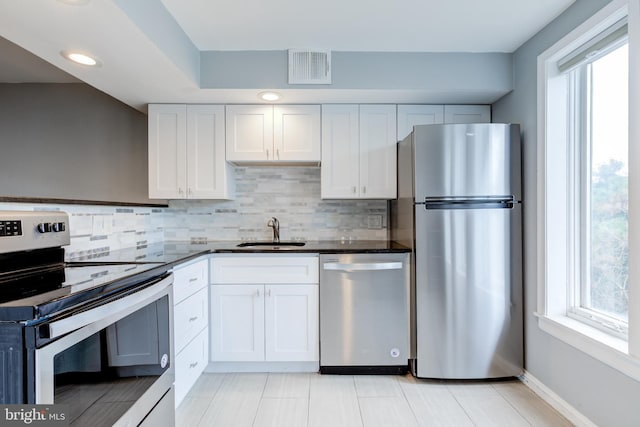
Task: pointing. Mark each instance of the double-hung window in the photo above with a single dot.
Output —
(586, 252)
(597, 75)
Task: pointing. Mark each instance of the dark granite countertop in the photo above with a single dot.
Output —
(176, 252)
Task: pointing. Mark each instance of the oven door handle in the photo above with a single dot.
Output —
(130, 302)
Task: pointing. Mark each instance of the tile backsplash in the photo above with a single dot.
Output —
(292, 194)
(98, 229)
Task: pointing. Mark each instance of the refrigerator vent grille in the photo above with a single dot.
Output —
(309, 67)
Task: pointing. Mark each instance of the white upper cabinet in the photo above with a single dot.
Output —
(413, 115)
(467, 113)
(186, 153)
(267, 134)
(358, 152)
(378, 151)
(340, 151)
(167, 151)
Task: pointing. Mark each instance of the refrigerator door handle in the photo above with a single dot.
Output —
(494, 202)
(471, 199)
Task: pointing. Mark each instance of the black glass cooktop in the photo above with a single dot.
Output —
(33, 294)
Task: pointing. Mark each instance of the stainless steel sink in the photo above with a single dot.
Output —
(282, 245)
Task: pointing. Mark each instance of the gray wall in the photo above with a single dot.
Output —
(71, 141)
(442, 78)
(604, 395)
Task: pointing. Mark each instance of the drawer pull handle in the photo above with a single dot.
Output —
(193, 319)
(193, 279)
(193, 365)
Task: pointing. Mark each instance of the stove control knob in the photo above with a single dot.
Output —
(58, 226)
(44, 227)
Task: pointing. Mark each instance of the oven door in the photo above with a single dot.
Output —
(111, 364)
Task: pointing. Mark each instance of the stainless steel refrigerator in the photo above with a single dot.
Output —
(459, 209)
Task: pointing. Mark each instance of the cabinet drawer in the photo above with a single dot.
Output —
(190, 363)
(264, 269)
(189, 279)
(190, 317)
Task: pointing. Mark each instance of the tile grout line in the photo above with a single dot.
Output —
(404, 396)
(264, 387)
(224, 377)
(510, 404)
(461, 406)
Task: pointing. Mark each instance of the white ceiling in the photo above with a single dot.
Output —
(364, 25)
(150, 53)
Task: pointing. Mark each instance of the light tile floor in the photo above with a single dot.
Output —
(298, 400)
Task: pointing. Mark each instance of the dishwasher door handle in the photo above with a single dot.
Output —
(366, 266)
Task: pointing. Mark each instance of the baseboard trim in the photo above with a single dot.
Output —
(558, 403)
(218, 367)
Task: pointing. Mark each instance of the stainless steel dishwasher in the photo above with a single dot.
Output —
(364, 318)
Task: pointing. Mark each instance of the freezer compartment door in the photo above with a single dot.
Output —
(468, 293)
(467, 160)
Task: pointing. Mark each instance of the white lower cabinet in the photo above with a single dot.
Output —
(190, 324)
(254, 323)
(237, 323)
(272, 320)
(190, 363)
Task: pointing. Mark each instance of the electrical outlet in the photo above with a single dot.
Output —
(374, 222)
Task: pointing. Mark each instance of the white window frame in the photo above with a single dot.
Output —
(556, 205)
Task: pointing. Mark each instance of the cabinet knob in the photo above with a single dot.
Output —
(258, 293)
(278, 153)
(268, 292)
(364, 189)
(267, 154)
(354, 190)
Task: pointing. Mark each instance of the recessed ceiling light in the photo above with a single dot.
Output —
(81, 58)
(269, 96)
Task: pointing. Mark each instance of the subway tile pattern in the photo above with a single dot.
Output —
(292, 194)
(100, 229)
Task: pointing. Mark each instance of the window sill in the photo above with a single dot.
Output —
(601, 346)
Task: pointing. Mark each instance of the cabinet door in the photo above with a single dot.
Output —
(237, 323)
(296, 133)
(249, 133)
(378, 151)
(413, 115)
(167, 151)
(340, 152)
(291, 323)
(208, 175)
(467, 114)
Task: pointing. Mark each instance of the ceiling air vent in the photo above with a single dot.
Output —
(308, 67)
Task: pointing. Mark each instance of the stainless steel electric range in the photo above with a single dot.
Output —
(94, 336)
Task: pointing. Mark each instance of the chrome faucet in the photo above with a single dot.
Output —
(273, 223)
